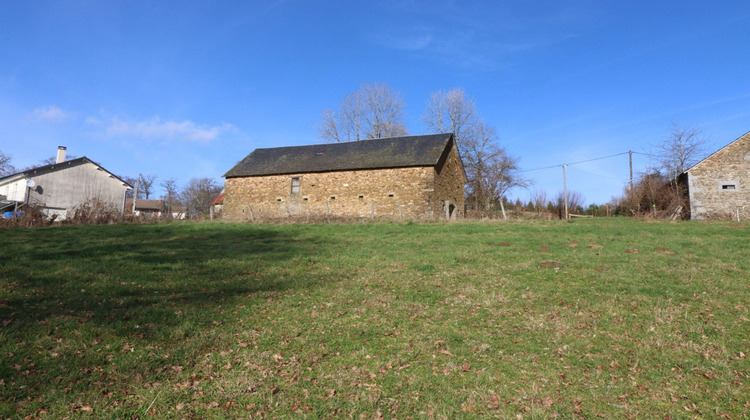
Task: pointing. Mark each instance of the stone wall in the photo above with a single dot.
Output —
(448, 186)
(719, 187)
(401, 193)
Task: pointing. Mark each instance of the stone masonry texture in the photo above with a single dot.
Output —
(393, 193)
(719, 186)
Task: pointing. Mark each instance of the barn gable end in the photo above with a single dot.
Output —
(719, 185)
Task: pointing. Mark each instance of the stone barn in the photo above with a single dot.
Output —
(414, 177)
(719, 185)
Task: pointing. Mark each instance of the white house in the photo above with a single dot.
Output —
(60, 187)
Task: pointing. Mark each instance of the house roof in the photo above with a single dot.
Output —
(394, 152)
(142, 204)
(56, 167)
(219, 199)
(745, 136)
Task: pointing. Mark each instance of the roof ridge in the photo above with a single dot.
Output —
(388, 152)
(718, 150)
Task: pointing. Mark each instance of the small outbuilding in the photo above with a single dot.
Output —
(413, 177)
(146, 208)
(719, 185)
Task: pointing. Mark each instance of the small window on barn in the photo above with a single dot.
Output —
(728, 187)
(361, 196)
(333, 197)
(391, 195)
(279, 199)
(305, 198)
(295, 185)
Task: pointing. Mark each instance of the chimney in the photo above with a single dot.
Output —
(60, 154)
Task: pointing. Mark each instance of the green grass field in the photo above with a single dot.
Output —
(596, 318)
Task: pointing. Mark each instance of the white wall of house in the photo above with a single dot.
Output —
(14, 190)
(68, 187)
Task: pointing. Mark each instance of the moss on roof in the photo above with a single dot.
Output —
(395, 152)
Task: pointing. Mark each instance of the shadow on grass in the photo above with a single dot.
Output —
(122, 277)
(91, 306)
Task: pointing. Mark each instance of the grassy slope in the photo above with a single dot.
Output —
(538, 319)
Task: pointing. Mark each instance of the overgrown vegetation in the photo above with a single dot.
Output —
(604, 318)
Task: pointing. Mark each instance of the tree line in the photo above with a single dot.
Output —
(660, 190)
(196, 196)
(375, 111)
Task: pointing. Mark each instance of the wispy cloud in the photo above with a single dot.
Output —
(407, 42)
(158, 129)
(51, 113)
(484, 40)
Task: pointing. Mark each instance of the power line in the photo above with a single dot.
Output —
(600, 175)
(539, 169)
(574, 163)
(599, 158)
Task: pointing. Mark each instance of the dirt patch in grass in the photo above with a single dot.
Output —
(736, 227)
(549, 264)
(595, 246)
(573, 245)
(632, 251)
(505, 244)
(544, 248)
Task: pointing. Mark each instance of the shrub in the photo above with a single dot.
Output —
(31, 216)
(95, 212)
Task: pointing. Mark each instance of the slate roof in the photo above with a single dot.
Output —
(394, 152)
(57, 166)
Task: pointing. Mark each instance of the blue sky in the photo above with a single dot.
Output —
(186, 89)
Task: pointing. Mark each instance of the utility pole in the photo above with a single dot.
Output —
(630, 154)
(565, 189)
(135, 194)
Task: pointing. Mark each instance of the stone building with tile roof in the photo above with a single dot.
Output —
(413, 177)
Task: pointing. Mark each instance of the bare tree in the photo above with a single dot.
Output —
(491, 171)
(539, 200)
(682, 149)
(171, 195)
(145, 184)
(653, 195)
(50, 161)
(371, 112)
(575, 203)
(452, 112)
(199, 193)
(53, 159)
(6, 168)
(132, 181)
